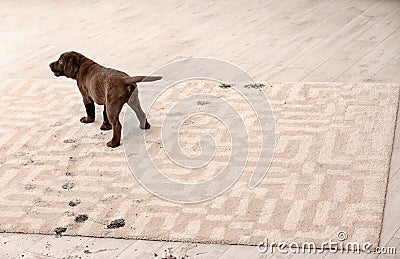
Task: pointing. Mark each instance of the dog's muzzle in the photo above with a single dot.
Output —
(56, 69)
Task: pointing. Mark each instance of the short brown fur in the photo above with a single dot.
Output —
(104, 86)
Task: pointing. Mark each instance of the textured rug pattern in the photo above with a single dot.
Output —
(329, 172)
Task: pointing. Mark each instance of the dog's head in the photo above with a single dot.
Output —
(67, 65)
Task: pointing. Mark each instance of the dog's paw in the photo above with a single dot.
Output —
(105, 126)
(87, 120)
(146, 126)
(112, 144)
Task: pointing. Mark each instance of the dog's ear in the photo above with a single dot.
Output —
(71, 66)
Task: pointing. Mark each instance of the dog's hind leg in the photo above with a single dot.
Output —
(113, 110)
(134, 103)
(106, 123)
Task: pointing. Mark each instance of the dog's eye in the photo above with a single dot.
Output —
(60, 61)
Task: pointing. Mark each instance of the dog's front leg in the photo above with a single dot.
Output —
(91, 113)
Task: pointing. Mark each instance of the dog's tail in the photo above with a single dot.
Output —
(129, 80)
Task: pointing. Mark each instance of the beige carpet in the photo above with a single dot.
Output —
(329, 172)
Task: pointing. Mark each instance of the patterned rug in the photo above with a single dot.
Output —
(328, 173)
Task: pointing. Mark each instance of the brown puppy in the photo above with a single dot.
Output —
(104, 86)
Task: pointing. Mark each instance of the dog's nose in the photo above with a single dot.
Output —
(52, 65)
